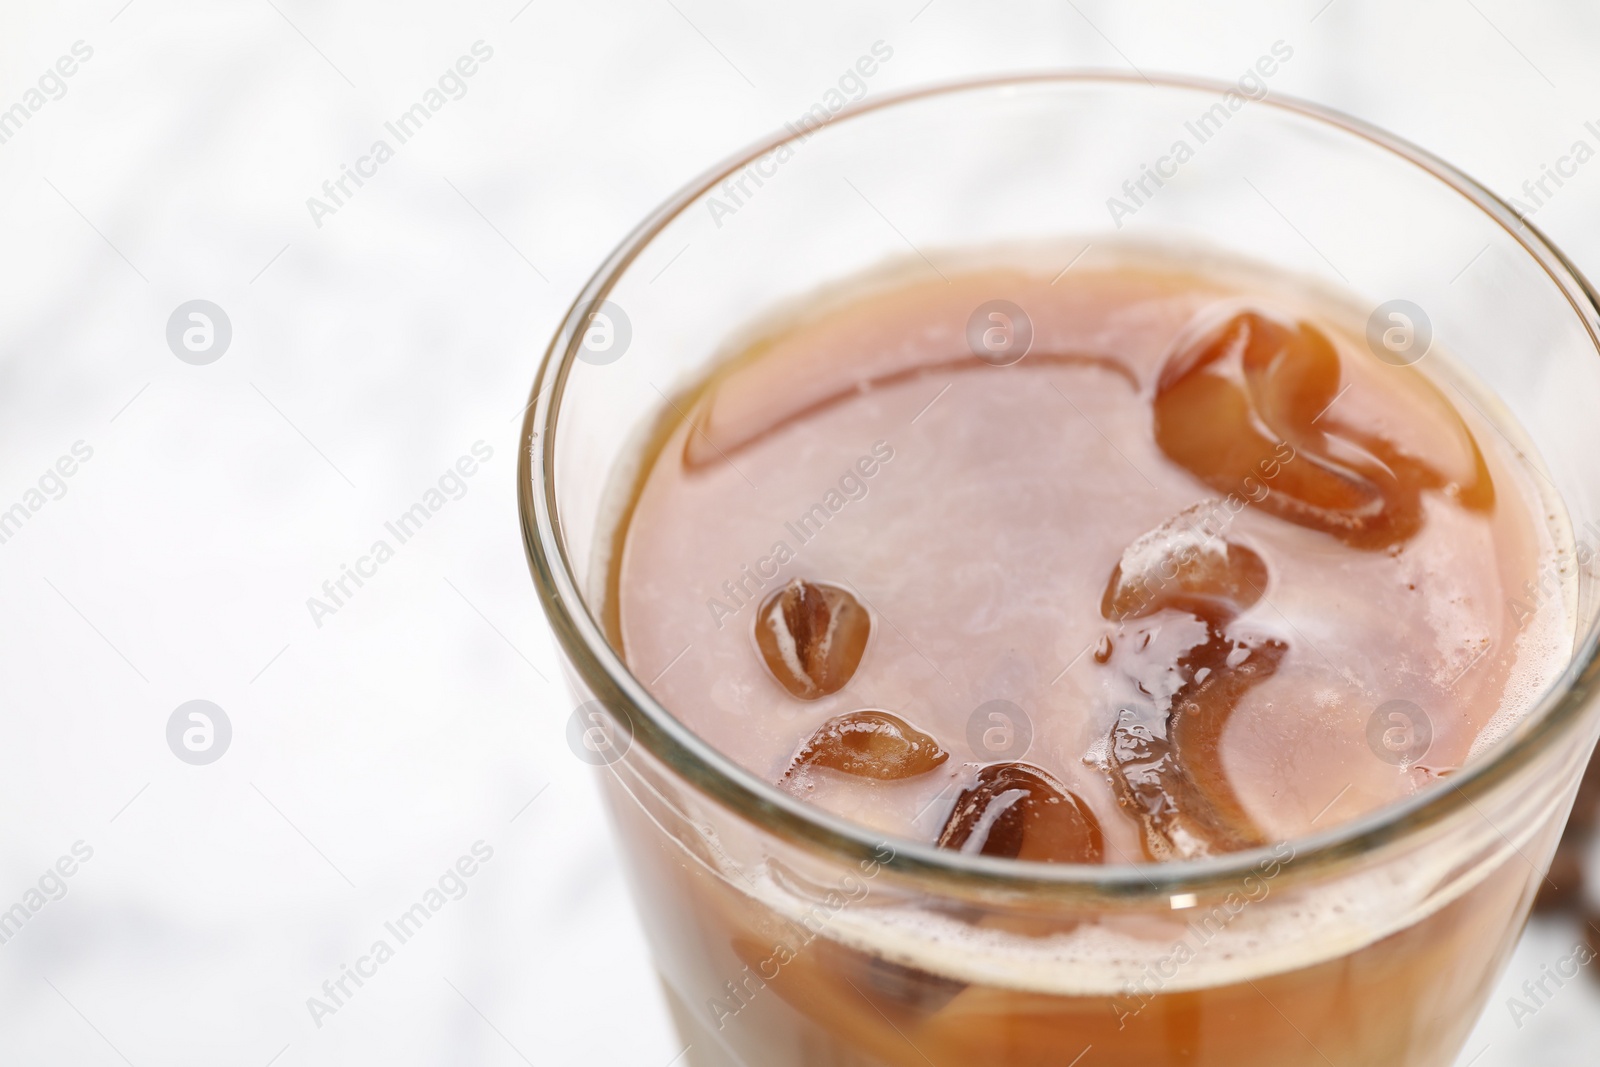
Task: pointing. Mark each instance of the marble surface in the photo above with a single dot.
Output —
(416, 723)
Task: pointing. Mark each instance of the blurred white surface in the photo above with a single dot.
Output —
(371, 347)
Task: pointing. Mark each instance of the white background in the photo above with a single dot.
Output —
(370, 352)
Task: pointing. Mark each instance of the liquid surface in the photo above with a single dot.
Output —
(1195, 573)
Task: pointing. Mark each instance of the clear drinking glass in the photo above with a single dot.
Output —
(786, 936)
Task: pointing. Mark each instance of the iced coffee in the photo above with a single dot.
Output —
(1154, 563)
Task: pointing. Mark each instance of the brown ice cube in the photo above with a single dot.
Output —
(1018, 811)
(812, 637)
(1243, 404)
(1165, 761)
(896, 988)
(870, 744)
(851, 993)
(1183, 564)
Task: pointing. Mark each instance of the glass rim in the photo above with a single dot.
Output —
(1558, 710)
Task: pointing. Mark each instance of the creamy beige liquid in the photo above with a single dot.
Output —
(978, 511)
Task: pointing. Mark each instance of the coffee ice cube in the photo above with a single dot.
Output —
(1018, 811)
(812, 637)
(1243, 404)
(1184, 564)
(1164, 756)
(870, 744)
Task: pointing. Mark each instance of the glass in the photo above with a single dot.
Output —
(786, 936)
